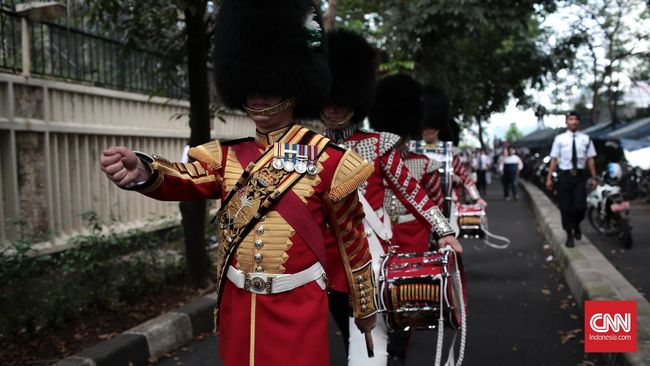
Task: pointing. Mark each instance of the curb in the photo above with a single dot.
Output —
(591, 276)
(151, 339)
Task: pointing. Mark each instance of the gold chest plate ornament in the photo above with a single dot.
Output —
(243, 206)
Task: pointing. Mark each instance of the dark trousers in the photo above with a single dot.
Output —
(481, 182)
(398, 342)
(509, 181)
(572, 199)
(339, 304)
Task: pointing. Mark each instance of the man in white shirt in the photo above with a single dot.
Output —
(572, 153)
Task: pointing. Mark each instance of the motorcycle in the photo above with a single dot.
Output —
(608, 210)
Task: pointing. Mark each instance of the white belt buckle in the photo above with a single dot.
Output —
(257, 284)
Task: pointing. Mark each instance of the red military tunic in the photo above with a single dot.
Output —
(288, 327)
(408, 232)
(380, 149)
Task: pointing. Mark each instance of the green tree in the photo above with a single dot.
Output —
(513, 133)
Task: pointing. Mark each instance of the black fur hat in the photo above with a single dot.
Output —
(450, 132)
(398, 106)
(271, 48)
(353, 63)
(435, 109)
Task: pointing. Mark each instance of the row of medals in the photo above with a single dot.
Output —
(301, 165)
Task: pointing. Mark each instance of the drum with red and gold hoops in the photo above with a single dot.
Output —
(416, 289)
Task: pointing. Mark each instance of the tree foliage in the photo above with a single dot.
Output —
(513, 133)
(481, 53)
(611, 42)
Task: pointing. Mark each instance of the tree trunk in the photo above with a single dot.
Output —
(329, 18)
(612, 100)
(194, 212)
(480, 132)
(594, 105)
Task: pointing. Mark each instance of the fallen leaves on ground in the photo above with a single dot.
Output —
(566, 336)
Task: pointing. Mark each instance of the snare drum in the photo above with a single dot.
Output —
(414, 286)
(471, 221)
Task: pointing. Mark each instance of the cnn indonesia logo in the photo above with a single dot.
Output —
(610, 326)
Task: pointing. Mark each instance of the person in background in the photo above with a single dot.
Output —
(509, 168)
(572, 152)
(481, 165)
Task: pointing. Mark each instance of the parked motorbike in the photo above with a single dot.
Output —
(608, 210)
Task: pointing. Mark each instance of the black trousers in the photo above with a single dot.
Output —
(398, 341)
(339, 304)
(572, 199)
(481, 182)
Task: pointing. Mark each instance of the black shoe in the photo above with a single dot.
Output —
(577, 233)
(396, 361)
(569, 241)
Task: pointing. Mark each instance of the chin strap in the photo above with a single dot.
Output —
(272, 110)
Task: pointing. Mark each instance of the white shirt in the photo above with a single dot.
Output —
(483, 159)
(511, 159)
(563, 150)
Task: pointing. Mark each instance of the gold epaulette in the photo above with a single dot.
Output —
(210, 153)
(350, 173)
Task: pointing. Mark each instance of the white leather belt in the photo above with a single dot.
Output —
(377, 220)
(264, 283)
(405, 218)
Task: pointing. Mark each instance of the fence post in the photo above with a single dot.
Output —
(24, 37)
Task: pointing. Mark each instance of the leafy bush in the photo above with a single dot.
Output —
(101, 270)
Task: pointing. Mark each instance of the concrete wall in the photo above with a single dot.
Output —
(51, 136)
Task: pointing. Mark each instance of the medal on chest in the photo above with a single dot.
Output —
(295, 157)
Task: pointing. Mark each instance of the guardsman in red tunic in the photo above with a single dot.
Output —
(282, 193)
(397, 110)
(437, 127)
(352, 62)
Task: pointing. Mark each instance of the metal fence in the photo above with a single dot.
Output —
(59, 49)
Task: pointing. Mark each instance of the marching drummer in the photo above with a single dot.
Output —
(398, 98)
(436, 126)
(353, 67)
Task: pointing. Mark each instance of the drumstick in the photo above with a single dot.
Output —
(369, 344)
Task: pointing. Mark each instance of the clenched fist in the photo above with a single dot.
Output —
(122, 166)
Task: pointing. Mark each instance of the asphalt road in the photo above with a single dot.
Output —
(520, 309)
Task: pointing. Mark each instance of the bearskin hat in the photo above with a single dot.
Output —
(435, 109)
(353, 64)
(397, 107)
(450, 132)
(271, 48)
